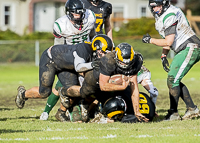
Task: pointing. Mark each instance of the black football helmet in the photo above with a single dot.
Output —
(165, 5)
(114, 108)
(77, 7)
(95, 1)
(102, 42)
(124, 55)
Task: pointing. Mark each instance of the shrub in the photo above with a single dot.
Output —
(137, 27)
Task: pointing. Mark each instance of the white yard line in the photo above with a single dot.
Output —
(86, 138)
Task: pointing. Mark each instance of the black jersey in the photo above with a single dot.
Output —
(102, 11)
(108, 65)
(62, 55)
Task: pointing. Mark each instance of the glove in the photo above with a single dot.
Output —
(165, 63)
(95, 64)
(146, 38)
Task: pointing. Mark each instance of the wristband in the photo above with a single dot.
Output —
(163, 55)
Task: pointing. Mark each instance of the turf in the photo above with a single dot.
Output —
(23, 125)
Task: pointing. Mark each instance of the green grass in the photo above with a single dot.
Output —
(23, 125)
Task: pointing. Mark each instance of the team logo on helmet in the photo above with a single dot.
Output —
(102, 42)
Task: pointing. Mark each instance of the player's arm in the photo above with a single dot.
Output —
(169, 35)
(108, 28)
(80, 64)
(167, 42)
(106, 86)
(59, 39)
(135, 98)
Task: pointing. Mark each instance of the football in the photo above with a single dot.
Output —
(117, 79)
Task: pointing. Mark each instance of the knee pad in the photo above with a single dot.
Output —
(171, 82)
(45, 93)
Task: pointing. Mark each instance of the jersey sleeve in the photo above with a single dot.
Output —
(169, 20)
(57, 32)
(108, 64)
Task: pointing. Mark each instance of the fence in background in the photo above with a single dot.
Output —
(192, 20)
(23, 50)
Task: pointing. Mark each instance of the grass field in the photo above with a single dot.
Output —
(23, 125)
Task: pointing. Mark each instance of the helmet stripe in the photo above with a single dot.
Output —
(119, 53)
(110, 115)
(132, 54)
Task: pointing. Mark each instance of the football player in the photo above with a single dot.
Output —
(75, 27)
(102, 44)
(120, 108)
(65, 61)
(102, 11)
(172, 25)
(123, 61)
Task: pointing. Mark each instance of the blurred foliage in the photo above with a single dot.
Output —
(137, 27)
(9, 35)
(38, 35)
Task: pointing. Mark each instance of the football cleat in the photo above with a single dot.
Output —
(172, 116)
(99, 118)
(84, 111)
(44, 116)
(64, 99)
(20, 100)
(191, 113)
(61, 116)
(75, 114)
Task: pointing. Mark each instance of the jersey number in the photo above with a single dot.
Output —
(99, 22)
(79, 39)
(144, 107)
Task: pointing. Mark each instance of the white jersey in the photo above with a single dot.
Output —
(63, 28)
(183, 29)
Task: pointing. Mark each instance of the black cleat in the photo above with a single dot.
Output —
(61, 116)
(20, 100)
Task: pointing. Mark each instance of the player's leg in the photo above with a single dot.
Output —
(67, 79)
(179, 67)
(46, 77)
(51, 101)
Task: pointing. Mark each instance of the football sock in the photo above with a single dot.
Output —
(185, 95)
(174, 94)
(51, 102)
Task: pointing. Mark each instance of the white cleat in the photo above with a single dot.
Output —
(44, 116)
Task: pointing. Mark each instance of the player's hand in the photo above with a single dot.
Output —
(165, 63)
(95, 64)
(141, 118)
(146, 38)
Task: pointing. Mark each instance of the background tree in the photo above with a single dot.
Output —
(193, 5)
